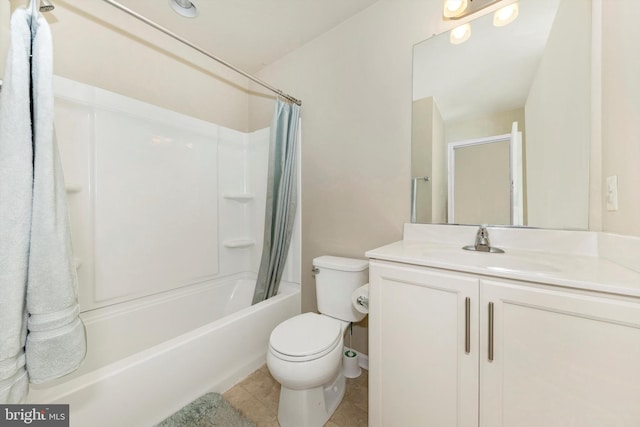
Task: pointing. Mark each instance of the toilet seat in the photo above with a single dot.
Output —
(305, 337)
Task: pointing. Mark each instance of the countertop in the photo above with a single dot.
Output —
(578, 271)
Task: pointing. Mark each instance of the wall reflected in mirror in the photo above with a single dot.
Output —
(533, 75)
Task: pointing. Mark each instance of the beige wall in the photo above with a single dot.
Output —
(621, 113)
(429, 158)
(99, 45)
(421, 156)
(482, 184)
(440, 169)
(355, 84)
(558, 114)
(485, 125)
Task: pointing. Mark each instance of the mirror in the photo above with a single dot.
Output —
(532, 75)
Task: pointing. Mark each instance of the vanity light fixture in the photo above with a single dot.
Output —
(457, 9)
(454, 8)
(184, 8)
(460, 34)
(505, 15)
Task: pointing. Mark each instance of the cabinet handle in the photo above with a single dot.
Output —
(467, 325)
(490, 332)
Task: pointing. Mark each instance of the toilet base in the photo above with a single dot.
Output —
(312, 407)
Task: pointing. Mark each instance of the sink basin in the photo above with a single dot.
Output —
(530, 263)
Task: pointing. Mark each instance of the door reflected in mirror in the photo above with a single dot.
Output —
(535, 72)
(485, 180)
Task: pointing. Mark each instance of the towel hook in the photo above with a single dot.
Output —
(41, 5)
(46, 6)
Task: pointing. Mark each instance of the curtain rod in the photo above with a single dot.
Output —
(202, 51)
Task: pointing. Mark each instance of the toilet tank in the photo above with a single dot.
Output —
(336, 279)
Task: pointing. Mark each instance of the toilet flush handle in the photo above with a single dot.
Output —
(315, 270)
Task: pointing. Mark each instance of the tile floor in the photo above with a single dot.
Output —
(257, 398)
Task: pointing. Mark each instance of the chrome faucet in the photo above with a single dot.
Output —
(482, 239)
(482, 242)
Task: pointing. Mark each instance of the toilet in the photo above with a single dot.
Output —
(305, 351)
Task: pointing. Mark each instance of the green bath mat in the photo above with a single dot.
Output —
(210, 410)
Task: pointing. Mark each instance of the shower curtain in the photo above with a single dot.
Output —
(281, 199)
(41, 334)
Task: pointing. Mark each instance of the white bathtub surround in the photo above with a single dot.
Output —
(167, 214)
(156, 209)
(121, 330)
(146, 218)
(174, 371)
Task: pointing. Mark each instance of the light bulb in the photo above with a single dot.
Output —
(453, 8)
(460, 34)
(453, 5)
(505, 15)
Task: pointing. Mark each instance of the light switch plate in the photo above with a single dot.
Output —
(612, 193)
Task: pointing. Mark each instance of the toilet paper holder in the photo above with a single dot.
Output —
(363, 301)
(360, 300)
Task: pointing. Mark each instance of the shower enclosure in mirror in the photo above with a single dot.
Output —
(497, 178)
(533, 75)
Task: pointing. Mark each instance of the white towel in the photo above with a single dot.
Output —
(16, 180)
(56, 342)
(38, 281)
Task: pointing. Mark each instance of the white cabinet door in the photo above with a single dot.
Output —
(560, 359)
(420, 371)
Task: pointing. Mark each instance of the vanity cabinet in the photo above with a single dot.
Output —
(537, 355)
(420, 373)
(560, 358)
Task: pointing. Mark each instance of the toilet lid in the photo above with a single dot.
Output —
(306, 335)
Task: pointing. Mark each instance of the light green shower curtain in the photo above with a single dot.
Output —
(281, 199)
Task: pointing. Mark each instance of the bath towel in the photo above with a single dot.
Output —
(16, 180)
(41, 337)
(56, 342)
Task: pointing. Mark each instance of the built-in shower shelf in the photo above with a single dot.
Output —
(73, 188)
(239, 243)
(239, 197)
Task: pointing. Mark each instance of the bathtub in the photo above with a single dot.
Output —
(148, 358)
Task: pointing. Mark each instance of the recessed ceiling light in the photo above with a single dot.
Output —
(184, 8)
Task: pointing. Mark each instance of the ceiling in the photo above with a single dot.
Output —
(251, 33)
